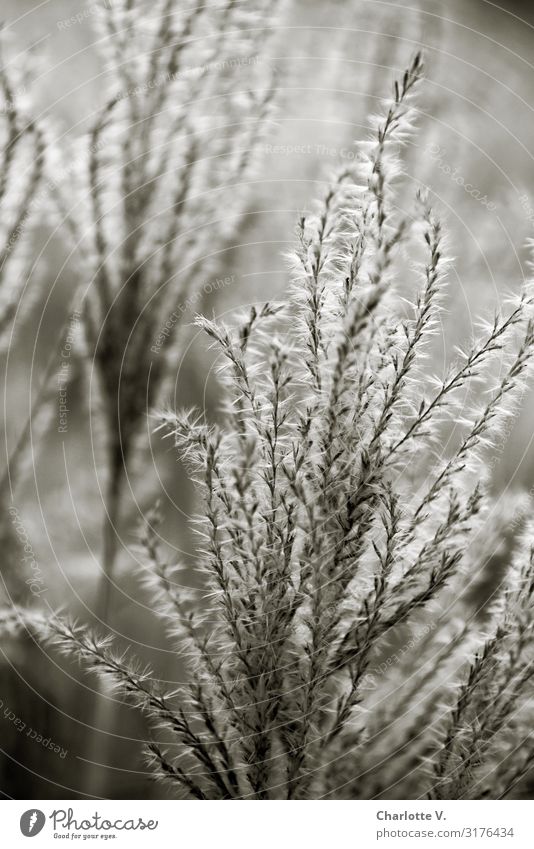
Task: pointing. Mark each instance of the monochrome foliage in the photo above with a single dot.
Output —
(188, 100)
(345, 510)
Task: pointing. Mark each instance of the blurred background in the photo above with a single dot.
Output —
(333, 61)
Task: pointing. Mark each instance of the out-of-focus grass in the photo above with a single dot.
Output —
(332, 60)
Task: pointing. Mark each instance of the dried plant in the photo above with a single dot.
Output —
(344, 509)
(189, 98)
(22, 161)
(21, 169)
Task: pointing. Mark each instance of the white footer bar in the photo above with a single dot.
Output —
(260, 825)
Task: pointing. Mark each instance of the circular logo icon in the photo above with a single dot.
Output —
(32, 822)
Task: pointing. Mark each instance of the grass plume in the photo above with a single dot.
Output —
(336, 532)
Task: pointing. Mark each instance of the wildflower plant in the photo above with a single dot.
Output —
(343, 510)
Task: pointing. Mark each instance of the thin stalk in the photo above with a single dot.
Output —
(104, 708)
(110, 535)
